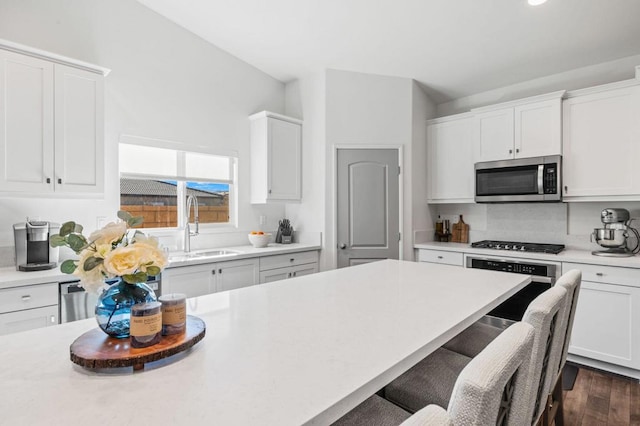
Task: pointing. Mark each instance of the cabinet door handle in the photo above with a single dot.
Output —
(269, 191)
(517, 150)
(59, 180)
(219, 271)
(48, 180)
(289, 275)
(565, 188)
(510, 151)
(26, 297)
(294, 274)
(213, 272)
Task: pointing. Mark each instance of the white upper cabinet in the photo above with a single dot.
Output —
(538, 129)
(495, 135)
(51, 126)
(450, 159)
(602, 144)
(26, 123)
(525, 128)
(276, 158)
(79, 130)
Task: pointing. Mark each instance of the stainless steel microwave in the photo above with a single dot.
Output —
(521, 180)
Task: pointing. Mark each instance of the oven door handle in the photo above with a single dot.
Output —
(545, 280)
(541, 179)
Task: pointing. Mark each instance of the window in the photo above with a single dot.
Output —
(155, 183)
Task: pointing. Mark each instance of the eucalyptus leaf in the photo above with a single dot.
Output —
(67, 228)
(135, 221)
(124, 215)
(76, 242)
(68, 266)
(57, 241)
(92, 262)
(153, 270)
(138, 277)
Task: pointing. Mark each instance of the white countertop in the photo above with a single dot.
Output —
(292, 352)
(10, 277)
(567, 255)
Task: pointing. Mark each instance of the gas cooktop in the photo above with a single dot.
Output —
(516, 246)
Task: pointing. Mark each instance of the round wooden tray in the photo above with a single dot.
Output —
(94, 349)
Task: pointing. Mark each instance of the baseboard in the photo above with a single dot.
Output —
(605, 366)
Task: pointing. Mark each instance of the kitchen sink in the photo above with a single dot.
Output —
(201, 254)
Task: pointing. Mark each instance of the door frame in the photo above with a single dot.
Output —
(400, 149)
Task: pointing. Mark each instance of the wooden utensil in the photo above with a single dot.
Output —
(460, 232)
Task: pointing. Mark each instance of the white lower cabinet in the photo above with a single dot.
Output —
(607, 322)
(28, 307)
(198, 280)
(439, 256)
(289, 272)
(28, 319)
(284, 266)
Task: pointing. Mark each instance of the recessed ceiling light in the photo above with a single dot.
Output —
(536, 2)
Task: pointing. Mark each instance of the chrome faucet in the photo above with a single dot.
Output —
(191, 201)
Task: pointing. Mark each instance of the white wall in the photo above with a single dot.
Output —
(422, 215)
(366, 109)
(166, 83)
(305, 99)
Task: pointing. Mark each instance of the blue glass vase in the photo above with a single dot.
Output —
(113, 310)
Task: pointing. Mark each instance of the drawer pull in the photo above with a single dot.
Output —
(440, 257)
(600, 274)
(291, 260)
(26, 297)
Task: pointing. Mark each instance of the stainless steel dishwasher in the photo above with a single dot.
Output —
(76, 304)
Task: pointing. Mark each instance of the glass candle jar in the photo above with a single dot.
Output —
(174, 313)
(146, 324)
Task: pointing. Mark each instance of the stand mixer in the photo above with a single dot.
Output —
(613, 237)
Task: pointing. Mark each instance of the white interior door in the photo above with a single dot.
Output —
(368, 205)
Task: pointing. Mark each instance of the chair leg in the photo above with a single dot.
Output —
(558, 402)
(554, 409)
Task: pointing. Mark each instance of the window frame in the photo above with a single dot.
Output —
(182, 179)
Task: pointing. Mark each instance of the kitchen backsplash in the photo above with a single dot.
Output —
(559, 223)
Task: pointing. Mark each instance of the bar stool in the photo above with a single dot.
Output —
(430, 381)
(491, 389)
(570, 281)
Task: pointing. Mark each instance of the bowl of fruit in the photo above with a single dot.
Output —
(259, 239)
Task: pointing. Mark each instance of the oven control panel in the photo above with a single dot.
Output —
(539, 270)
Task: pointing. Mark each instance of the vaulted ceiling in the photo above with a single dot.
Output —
(454, 47)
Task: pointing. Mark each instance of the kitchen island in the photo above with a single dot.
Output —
(299, 351)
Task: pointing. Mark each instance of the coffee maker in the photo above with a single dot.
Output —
(613, 237)
(33, 251)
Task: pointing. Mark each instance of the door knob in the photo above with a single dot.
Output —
(343, 246)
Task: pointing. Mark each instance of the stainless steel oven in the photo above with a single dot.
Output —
(519, 180)
(543, 275)
(75, 303)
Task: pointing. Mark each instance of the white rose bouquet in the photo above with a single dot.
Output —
(110, 253)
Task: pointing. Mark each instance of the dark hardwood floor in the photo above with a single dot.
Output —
(599, 398)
